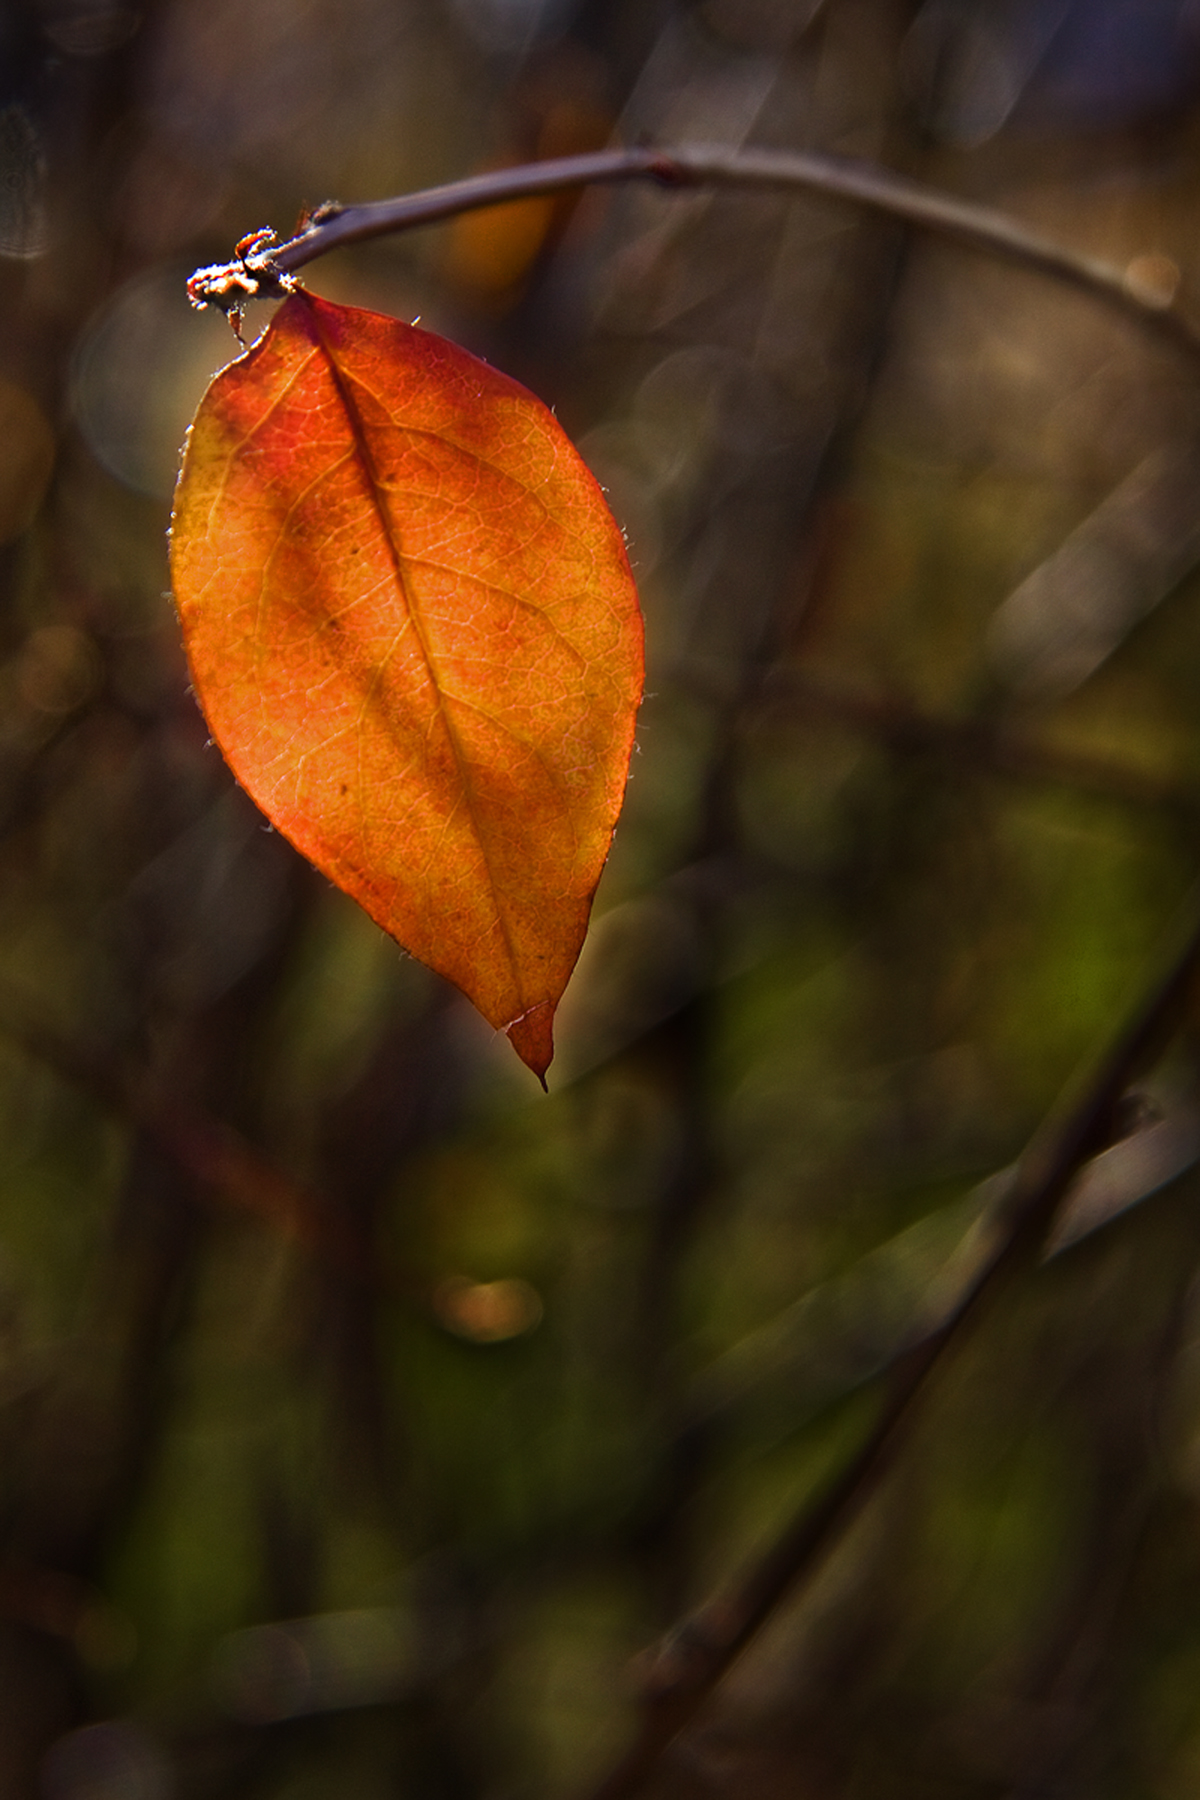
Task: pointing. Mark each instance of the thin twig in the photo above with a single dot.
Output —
(703, 165)
(995, 744)
(694, 1657)
(209, 1152)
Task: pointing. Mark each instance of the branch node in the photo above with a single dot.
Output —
(312, 216)
(669, 173)
(253, 275)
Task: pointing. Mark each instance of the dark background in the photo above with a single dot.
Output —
(363, 1410)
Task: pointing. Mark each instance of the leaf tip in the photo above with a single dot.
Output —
(532, 1037)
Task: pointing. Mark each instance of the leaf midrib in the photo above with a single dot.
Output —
(377, 492)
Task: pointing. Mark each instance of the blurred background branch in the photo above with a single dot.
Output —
(1004, 1238)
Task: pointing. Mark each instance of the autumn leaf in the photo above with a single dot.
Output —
(415, 636)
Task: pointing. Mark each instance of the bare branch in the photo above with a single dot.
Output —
(701, 165)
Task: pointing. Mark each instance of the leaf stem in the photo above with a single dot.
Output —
(691, 166)
(692, 1659)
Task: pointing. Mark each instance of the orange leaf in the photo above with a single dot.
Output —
(415, 636)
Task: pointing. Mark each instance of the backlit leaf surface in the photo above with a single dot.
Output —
(415, 636)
